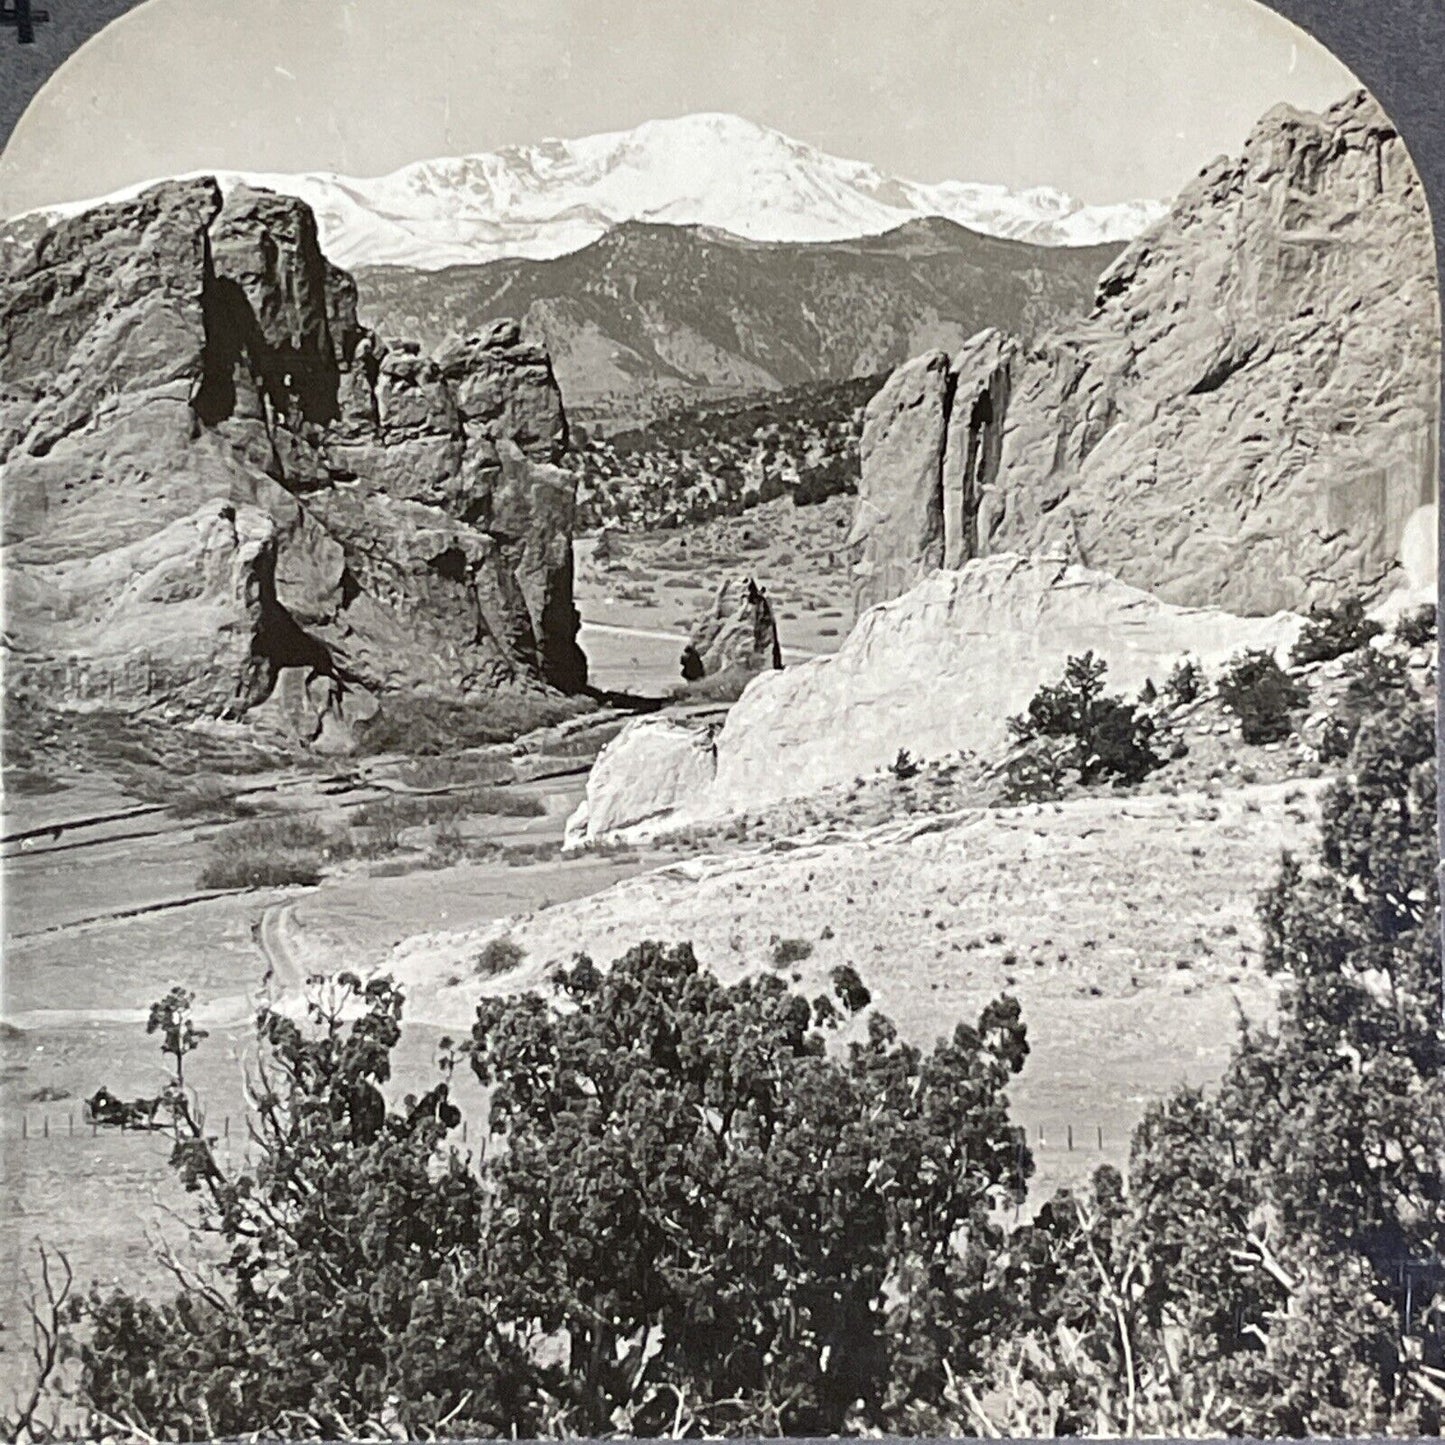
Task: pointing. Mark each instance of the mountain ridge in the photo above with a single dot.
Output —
(651, 306)
(552, 198)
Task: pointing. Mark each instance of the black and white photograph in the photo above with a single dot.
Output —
(719, 721)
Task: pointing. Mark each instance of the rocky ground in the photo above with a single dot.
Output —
(1124, 924)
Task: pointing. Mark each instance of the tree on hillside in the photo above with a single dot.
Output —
(733, 1227)
(1262, 695)
(352, 1248)
(1103, 735)
(1275, 1264)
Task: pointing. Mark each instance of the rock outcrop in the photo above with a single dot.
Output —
(937, 671)
(1247, 418)
(653, 768)
(736, 633)
(213, 474)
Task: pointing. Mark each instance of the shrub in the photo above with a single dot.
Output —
(206, 799)
(425, 726)
(904, 766)
(454, 772)
(788, 951)
(1110, 737)
(1373, 680)
(498, 955)
(1332, 631)
(1184, 683)
(272, 853)
(1036, 773)
(849, 989)
(1417, 628)
(404, 810)
(1258, 691)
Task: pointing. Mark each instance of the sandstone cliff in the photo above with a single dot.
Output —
(1247, 417)
(213, 476)
(936, 671)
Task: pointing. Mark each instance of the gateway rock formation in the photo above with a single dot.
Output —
(1247, 418)
(937, 671)
(651, 768)
(221, 490)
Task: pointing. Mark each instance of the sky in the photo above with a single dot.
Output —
(1106, 99)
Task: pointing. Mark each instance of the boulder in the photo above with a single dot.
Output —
(175, 360)
(181, 614)
(653, 769)
(505, 390)
(1247, 418)
(737, 632)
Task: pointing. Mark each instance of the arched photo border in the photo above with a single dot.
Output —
(1395, 47)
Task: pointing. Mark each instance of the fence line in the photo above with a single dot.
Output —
(47, 1128)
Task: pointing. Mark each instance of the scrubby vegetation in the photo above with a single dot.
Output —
(499, 955)
(1417, 628)
(1374, 681)
(409, 810)
(426, 726)
(1262, 695)
(789, 951)
(1184, 683)
(1332, 630)
(721, 458)
(1075, 725)
(272, 853)
(456, 772)
(726, 1209)
(147, 754)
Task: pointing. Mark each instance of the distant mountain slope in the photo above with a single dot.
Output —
(650, 306)
(718, 458)
(714, 170)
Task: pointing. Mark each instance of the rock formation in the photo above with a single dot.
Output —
(737, 632)
(1247, 418)
(653, 767)
(214, 475)
(936, 671)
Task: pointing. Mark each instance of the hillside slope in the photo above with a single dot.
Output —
(657, 306)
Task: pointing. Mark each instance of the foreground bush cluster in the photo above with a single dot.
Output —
(734, 1209)
(1073, 730)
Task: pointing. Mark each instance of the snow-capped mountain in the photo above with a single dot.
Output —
(722, 171)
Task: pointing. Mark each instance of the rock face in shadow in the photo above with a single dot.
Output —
(737, 632)
(215, 476)
(1247, 418)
